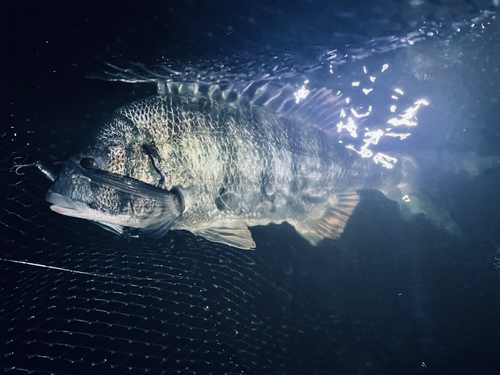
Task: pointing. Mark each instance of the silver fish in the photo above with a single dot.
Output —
(214, 162)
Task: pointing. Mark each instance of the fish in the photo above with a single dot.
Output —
(216, 160)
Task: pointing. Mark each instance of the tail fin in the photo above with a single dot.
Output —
(413, 201)
(435, 174)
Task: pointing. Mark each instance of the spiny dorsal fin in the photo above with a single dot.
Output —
(333, 220)
(234, 234)
(321, 107)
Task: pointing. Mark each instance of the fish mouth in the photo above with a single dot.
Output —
(66, 206)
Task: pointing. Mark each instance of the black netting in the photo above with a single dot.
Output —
(79, 300)
(102, 304)
(389, 297)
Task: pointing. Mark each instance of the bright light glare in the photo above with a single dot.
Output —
(374, 132)
(359, 115)
(363, 152)
(409, 114)
(421, 101)
(351, 127)
(373, 137)
(402, 121)
(385, 160)
(401, 136)
(301, 93)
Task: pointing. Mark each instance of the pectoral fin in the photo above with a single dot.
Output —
(333, 220)
(234, 234)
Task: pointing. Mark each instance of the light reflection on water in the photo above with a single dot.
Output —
(375, 117)
(404, 118)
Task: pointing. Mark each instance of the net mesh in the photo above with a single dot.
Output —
(387, 298)
(84, 301)
(76, 299)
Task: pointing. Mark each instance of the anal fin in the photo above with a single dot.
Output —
(234, 234)
(114, 228)
(332, 222)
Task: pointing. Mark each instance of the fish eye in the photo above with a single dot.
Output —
(88, 162)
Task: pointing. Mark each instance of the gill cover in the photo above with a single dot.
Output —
(160, 208)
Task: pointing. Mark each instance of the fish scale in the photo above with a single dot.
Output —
(214, 162)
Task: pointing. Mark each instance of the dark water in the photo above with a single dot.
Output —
(389, 297)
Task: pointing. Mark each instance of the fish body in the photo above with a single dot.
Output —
(214, 166)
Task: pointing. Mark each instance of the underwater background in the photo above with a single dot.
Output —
(390, 296)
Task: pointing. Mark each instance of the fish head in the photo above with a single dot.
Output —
(115, 187)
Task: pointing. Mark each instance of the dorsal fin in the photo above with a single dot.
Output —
(321, 107)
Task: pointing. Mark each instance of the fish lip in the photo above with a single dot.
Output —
(66, 206)
(59, 200)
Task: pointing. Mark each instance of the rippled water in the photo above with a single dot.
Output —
(389, 297)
